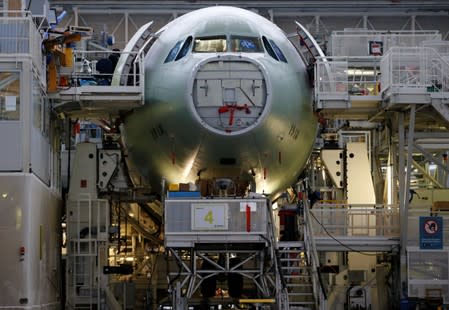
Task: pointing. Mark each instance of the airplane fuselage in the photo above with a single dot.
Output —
(226, 96)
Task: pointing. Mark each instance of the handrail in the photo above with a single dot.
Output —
(415, 67)
(281, 295)
(343, 43)
(371, 220)
(312, 255)
(21, 38)
(420, 69)
(440, 46)
(89, 59)
(344, 76)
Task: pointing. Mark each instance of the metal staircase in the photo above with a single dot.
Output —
(296, 275)
(299, 264)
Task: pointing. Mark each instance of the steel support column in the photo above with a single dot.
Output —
(401, 179)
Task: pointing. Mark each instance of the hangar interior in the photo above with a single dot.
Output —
(365, 225)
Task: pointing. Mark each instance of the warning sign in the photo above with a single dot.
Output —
(430, 232)
(376, 48)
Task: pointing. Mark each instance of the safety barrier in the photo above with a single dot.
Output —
(346, 76)
(96, 68)
(343, 220)
(20, 37)
(419, 68)
(357, 42)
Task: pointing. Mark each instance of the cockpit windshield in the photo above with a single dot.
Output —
(210, 44)
(246, 44)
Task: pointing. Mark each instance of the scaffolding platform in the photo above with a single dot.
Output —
(98, 100)
(215, 222)
(363, 88)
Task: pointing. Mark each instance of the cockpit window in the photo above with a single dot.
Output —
(172, 54)
(278, 51)
(246, 44)
(273, 50)
(185, 48)
(210, 44)
(269, 48)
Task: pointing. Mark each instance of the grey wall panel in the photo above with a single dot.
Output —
(11, 149)
(29, 218)
(40, 155)
(14, 36)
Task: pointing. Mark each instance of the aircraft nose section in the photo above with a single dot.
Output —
(229, 94)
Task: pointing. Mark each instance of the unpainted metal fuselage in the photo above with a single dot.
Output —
(225, 111)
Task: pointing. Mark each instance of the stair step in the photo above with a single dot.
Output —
(300, 289)
(298, 303)
(290, 244)
(301, 298)
(291, 248)
(299, 284)
(292, 259)
(296, 267)
(300, 293)
(303, 303)
(294, 264)
(295, 272)
(296, 276)
(303, 282)
(284, 253)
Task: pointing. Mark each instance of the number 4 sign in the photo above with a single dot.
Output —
(208, 216)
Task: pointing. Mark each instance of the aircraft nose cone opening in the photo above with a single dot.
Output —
(230, 95)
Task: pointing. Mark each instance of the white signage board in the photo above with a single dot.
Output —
(251, 205)
(10, 103)
(209, 216)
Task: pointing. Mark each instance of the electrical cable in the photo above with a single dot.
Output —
(29, 5)
(341, 243)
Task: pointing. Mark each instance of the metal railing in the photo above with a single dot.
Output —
(281, 288)
(419, 68)
(355, 42)
(312, 256)
(331, 76)
(344, 76)
(440, 46)
(402, 69)
(87, 71)
(20, 38)
(343, 220)
(87, 235)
